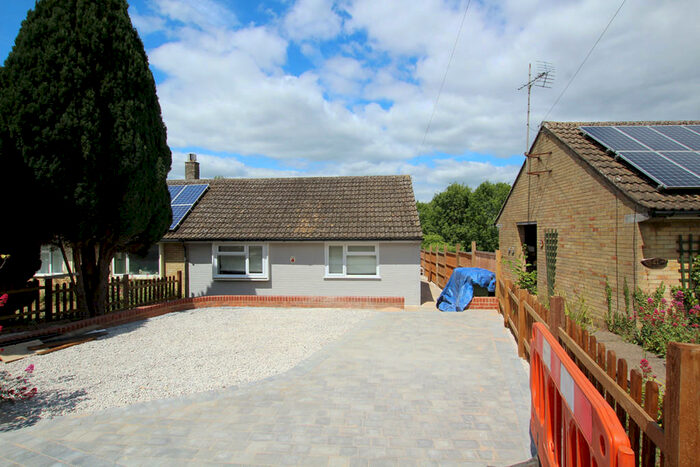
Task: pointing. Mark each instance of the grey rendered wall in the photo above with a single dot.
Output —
(399, 270)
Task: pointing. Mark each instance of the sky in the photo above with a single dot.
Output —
(278, 88)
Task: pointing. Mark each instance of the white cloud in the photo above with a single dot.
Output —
(312, 19)
(146, 24)
(203, 13)
(364, 105)
(211, 166)
(344, 76)
(426, 180)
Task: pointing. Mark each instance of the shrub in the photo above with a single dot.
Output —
(14, 388)
(619, 323)
(578, 311)
(524, 279)
(660, 322)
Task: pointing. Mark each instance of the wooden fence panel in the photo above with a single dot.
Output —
(52, 301)
(438, 265)
(635, 402)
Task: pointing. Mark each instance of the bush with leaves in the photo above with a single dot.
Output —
(661, 322)
(15, 388)
(577, 310)
(524, 279)
(618, 323)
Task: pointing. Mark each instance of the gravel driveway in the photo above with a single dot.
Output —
(174, 355)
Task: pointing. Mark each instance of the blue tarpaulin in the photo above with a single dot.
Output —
(459, 290)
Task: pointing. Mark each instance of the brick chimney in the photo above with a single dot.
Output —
(191, 167)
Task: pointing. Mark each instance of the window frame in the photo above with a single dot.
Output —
(127, 266)
(248, 276)
(346, 253)
(53, 250)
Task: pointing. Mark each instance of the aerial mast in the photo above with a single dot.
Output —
(543, 79)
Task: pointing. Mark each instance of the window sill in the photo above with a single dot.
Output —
(138, 276)
(240, 278)
(377, 278)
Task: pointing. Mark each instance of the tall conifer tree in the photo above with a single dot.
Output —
(81, 109)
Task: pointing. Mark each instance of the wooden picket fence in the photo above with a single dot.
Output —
(438, 265)
(668, 435)
(43, 300)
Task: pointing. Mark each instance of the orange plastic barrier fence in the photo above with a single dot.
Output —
(571, 423)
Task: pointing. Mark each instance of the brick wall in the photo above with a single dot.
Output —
(151, 311)
(595, 238)
(660, 240)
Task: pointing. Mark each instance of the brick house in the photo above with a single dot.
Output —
(313, 236)
(591, 217)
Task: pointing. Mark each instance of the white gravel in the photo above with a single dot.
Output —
(174, 355)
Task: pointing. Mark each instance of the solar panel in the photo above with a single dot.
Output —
(651, 139)
(175, 190)
(182, 199)
(663, 153)
(681, 134)
(179, 213)
(613, 139)
(190, 194)
(661, 169)
(689, 160)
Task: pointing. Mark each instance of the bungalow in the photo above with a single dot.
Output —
(597, 203)
(312, 236)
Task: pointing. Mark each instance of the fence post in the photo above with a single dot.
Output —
(507, 312)
(473, 254)
(444, 265)
(179, 284)
(682, 404)
(556, 315)
(127, 292)
(499, 292)
(437, 265)
(457, 246)
(521, 322)
(48, 291)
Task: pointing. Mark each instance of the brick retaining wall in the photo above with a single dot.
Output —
(483, 303)
(150, 311)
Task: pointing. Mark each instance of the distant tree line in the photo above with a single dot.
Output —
(460, 215)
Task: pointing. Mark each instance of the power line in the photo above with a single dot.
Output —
(444, 77)
(584, 60)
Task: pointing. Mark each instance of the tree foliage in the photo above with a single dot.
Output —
(460, 215)
(21, 235)
(81, 111)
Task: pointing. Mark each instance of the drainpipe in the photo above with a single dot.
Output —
(186, 278)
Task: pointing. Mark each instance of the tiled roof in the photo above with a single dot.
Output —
(631, 182)
(311, 208)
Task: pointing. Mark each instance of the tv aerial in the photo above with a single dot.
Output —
(543, 79)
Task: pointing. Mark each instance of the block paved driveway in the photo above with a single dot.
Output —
(404, 388)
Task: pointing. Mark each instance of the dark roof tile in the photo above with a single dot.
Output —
(634, 184)
(309, 208)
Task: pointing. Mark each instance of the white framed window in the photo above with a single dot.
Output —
(135, 265)
(352, 260)
(51, 261)
(240, 261)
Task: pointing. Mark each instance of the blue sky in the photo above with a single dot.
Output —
(323, 87)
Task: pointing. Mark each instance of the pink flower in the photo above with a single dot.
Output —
(650, 300)
(30, 369)
(3, 299)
